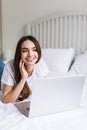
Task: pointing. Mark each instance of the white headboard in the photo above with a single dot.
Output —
(61, 31)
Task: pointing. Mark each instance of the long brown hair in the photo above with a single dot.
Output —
(25, 91)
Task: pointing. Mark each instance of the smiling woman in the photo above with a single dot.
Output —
(29, 53)
(19, 73)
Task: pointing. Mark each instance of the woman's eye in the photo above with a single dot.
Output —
(24, 50)
(34, 49)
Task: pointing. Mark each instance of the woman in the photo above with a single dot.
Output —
(19, 73)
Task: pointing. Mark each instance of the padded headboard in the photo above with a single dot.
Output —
(61, 31)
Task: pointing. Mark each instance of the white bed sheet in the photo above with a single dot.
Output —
(12, 119)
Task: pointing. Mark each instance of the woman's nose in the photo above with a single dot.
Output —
(29, 52)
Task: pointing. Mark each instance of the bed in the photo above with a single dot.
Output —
(64, 49)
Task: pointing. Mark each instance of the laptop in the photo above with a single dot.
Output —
(53, 95)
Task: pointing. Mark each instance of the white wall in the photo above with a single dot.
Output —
(17, 13)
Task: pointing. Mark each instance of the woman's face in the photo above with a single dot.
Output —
(29, 54)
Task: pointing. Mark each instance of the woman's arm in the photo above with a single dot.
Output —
(11, 94)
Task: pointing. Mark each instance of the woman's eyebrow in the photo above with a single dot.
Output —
(24, 48)
(27, 48)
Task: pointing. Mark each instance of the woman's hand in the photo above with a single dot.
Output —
(23, 70)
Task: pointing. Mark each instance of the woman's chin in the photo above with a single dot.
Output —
(30, 63)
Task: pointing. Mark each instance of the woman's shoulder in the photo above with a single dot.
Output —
(9, 64)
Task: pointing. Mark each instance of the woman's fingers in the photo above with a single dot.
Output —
(20, 64)
(23, 69)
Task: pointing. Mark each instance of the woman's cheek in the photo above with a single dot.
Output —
(22, 59)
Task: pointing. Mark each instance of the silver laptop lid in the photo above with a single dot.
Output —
(52, 95)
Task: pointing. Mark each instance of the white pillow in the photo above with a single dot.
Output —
(58, 60)
(85, 52)
(80, 67)
(41, 68)
(84, 94)
(80, 64)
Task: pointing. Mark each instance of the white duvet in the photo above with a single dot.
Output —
(12, 119)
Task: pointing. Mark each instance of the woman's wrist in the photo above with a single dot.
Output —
(23, 80)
